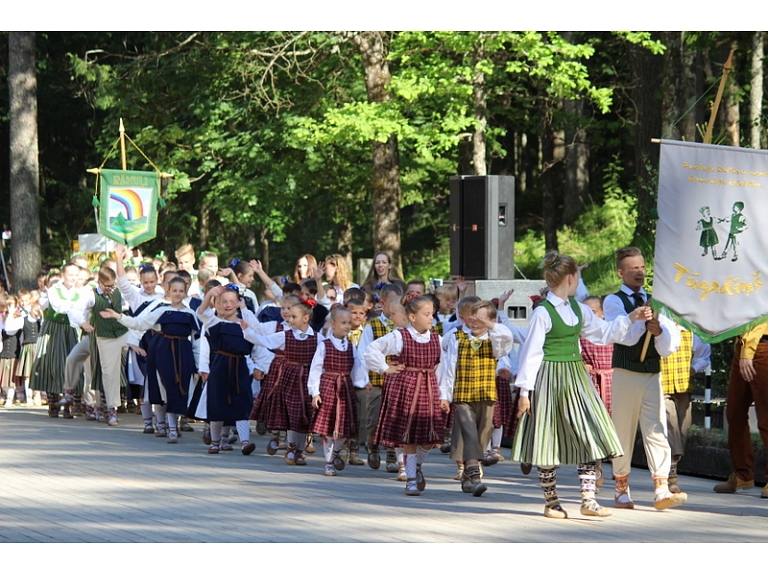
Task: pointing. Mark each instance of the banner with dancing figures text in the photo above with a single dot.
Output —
(712, 238)
(128, 201)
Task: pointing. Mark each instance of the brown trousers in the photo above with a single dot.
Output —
(741, 394)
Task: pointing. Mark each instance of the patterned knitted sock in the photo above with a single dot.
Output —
(587, 476)
(243, 430)
(159, 414)
(548, 481)
(216, 427)
(338, 444)
(421, 454)
(410, 460)
(328, 449)
(622, 489)
(146, 411)
(172, 419)
(496, 437)
(660, 487)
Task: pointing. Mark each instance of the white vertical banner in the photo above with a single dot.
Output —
(711, 255)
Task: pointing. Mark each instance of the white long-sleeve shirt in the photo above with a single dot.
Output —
(392, 344)
(359, 374)
(210, 319)
(593, 328)
(148, 319)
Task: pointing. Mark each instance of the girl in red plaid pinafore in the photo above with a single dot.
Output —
(334, 368)
(410, 410)
(289, 406)
(273, 371)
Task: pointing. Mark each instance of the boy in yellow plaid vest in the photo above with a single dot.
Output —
(677, 372)
(374, 329)
(468, 380)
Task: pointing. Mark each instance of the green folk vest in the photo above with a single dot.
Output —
(628, 357)
(49, 314)
(562, 341)
(107, 328)
(475, 371)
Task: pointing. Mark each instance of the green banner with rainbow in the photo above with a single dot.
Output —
(128, 202)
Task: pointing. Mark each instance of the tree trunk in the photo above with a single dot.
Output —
(344, 242)
(646, 70)
(731, 103)
(204, 229)
(547, 176)
(481, 112)
(756, 91)
(24, 168)
(385, 182)
(264, 249)
(576, 162)
(690, 90)
(672, 85)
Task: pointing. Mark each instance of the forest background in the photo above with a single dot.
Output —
(284, 143)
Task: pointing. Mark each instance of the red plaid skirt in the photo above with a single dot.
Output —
(337, 416)
(410, 410)
(503, 410)
(511, 428)
(260, 411)
(289, 405)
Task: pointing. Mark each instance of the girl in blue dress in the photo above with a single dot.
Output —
(174, 354)
(228, 341)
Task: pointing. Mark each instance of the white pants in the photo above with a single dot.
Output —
(637, 398)
(111, 357)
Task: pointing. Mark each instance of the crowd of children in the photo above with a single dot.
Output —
(384, 366)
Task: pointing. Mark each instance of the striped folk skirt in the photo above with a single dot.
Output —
(26, 359)
(7, 371)
(569, 423)
(53, 346)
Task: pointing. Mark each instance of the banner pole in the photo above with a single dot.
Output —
(720, 90)
(122, 144)
(708, 397)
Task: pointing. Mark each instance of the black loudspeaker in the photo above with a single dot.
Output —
(483, 227)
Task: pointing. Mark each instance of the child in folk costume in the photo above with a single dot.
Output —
(356, 307)
(410, 411)
(12, 322)
(30, 311)
(224, 368)
(376, 328)
(289, 404)
(111, 337)
(468, 381)
(57, 337)
(336, 371)
(272, 370)
(562, 419)
(174, 353)
(598, 358)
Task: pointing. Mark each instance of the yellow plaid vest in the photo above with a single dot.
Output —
(676, 369)
(475, 371)
(379, 330)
